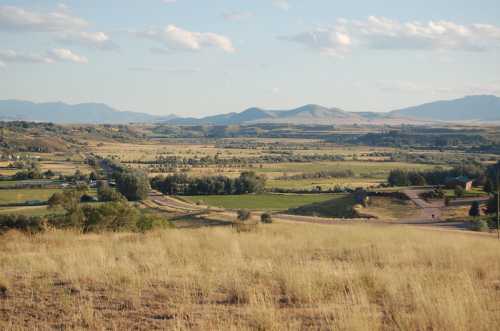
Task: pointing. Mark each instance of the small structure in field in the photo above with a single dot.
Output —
(462, 181)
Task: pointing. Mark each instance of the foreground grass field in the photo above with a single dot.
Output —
(262, 201)
(285, 276)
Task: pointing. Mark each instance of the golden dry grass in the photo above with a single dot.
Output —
(284, 276)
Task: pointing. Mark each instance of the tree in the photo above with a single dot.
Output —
(491, 207)
(398, 177)
(475, 210)
(56, 200)
(243, 215)
(106, 193)
(459, 191)
(266, 218)
(134, 185)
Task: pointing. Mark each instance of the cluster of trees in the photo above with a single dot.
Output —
(321, 174)
(116, 215)
(438, 176)
(181, 184)
(172, 162)
(132, 184)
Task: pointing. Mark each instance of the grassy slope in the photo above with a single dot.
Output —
(286, 276)
(262, 201)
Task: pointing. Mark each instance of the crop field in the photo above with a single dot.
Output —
(22, 195)
(274, 202)
(64, 167)
(13, 196)
(281, 277)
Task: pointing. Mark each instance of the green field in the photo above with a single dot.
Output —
(10, 183)
(272, 202)
(12, 196)
(23, 195)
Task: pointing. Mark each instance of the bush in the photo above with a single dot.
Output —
(475, 210)
(459, 191)
(21, 223)
(107, 194)
(148, 222)
(266, 218)
(480, 225)
(243, 215)
(134, 185)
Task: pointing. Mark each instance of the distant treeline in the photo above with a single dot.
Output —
(174, 161)
(438, 176)
(320, 174)
(428, 138)
(181, 184)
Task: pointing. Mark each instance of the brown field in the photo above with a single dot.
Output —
(284, 276)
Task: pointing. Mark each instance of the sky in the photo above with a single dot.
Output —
(205, 57)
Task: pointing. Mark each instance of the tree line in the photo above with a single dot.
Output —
(181, 184)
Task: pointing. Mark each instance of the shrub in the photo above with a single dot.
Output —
(107, 194)
(459, 191)
(480, 225)
(134, 185)
(474, 210)
(266, 218)
(21, 223)
(243, 215)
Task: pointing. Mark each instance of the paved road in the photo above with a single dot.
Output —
(428, 210)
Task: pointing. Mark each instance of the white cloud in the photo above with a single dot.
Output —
(18, 20)
(281, 4)
(168, 2)
(96, 40)
(66, 55)
(175, 38)
(237, 15)
(380, 33)
(327, 41)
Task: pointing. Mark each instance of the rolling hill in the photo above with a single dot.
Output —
(62, 113)
(479, 108)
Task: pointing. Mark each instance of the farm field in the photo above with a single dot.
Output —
(12, 196)
(284, 276)
(272, 202)
(64, 167)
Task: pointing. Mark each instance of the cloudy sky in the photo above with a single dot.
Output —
(201, 57)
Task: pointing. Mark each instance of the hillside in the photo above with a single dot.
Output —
(308, 114)
(480, 108)
(62, 113)
(284, 277)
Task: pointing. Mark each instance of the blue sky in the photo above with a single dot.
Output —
(201, 57)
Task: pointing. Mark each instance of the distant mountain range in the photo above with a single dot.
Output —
(61, 113)
(481, 108)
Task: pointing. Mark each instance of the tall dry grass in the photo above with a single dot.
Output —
(285, 276)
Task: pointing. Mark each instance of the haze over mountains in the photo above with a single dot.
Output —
(481, 108)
